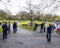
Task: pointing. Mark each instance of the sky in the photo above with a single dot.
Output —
(46, 6)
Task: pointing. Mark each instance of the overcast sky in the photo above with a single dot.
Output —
(14, 6)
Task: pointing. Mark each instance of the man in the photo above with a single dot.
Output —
(9, 28)
(49, 31)
(4, 27)
(42, 27)
(14, 27)
(35, 27)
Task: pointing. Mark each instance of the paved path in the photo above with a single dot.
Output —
(28, 39)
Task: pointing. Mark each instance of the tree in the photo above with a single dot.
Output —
(3, 15)
(30, 8)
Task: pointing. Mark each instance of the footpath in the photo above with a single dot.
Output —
(29, 39)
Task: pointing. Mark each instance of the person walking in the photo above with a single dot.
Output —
(49, 31)
(4, 27)
(14, 27)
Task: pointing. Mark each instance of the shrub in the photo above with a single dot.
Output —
(24, 24)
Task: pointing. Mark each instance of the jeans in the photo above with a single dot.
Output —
(48, 35)
(5, 35)
(42, 30)
(14, 30)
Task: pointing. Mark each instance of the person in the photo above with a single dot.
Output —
(57, 24)
(4, 27)
(49, 31)
(42, 29)
(14, 27)
(9, 27)
(35, 27)
(53, 27)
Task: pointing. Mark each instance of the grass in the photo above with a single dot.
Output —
(26, 22)
(47, 23)
(27, 27)
(0, 29)
(31, 27)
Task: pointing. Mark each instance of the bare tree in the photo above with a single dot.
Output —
(30, 8)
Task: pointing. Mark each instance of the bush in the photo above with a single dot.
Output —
(24, 24)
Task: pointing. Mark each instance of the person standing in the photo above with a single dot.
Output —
(49, 31)
(35, 27)
(9, 27)
(14, 27)
(42, 29)
(57, 24)
(4, 27)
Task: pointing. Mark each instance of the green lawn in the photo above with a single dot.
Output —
(25, 22)
(0, 29)
(27, 27)
(30, 27)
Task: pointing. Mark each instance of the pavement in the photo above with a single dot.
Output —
(29, 39)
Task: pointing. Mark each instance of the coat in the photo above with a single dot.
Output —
(4, 27)
(49, 29)
(14, 26)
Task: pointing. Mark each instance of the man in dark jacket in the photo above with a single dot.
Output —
(42, 27)
(14, 27)
(49, 30)
(4, 27)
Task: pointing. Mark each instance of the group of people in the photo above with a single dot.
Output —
(6, 28)
(43, 29)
